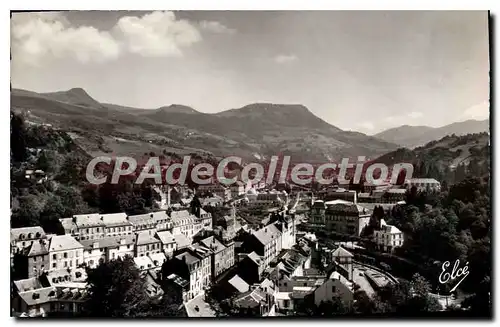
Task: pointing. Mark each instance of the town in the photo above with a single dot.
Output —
(270, 267)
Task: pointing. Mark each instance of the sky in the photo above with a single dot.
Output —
(358, 70)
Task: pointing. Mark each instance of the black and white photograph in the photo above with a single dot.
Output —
(250, 164)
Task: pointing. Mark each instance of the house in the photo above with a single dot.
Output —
(257, 301)
(313, 289)
(345, 217)
(222, 256)
(64, 252)
(388, 237)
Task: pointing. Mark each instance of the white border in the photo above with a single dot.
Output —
(204, 5)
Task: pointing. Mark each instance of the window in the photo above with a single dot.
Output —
(54, 257)
(65, 255)
(334, 289)
(65, 264)
(54, 265)
(34, 259)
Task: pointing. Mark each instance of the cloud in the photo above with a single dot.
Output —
(285, 59)
(38, 35)
(479, 111)
(415, 114)
(156, 34)
(367, 125)
(216, 27)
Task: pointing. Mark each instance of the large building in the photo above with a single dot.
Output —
(108, 248)
(424, 184)
(266, 242)
(193, 267)
(345, 217)
(222, 256)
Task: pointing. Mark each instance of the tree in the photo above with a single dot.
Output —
(115, 289)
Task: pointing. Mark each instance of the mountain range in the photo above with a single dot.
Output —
(413, 136)
(254, 132)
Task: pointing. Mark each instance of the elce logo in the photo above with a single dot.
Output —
(456, 272)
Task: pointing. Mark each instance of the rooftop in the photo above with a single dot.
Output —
(166, 237)
(108, 242)
(238, 283)
(26, 233)
(213, 243)
(267, 234)
(63, 242)
(144, 238)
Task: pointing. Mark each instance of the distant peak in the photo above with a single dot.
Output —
(179, 108)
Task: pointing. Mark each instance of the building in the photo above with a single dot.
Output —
(65, 252)
(185, 223)
(146, 244)
(116, 224)
(168, 244)
(266, 242)
(215, 189)
(313, 289)
(192, 267)
(32, 260)
(423, 184)
(388, 237)
(237, 189)
(286, 225)
(162, 220)
(341, 194)
(23, 237)
(251, 268)
(144, 223)
(106, 249)
(317, 214)
(222, 256)
(345, 217)
(89, 227)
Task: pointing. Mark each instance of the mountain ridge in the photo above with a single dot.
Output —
(413, 136)
(257, 130)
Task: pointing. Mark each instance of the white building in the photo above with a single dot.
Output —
(388, 237)
(65, 252)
